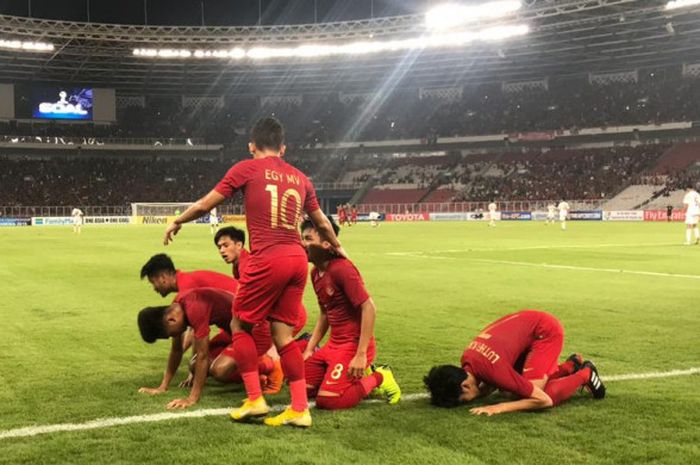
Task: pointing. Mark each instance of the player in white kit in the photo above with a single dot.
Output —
(563, 213)
(691, 200)
(551, 214)
(492, 213)
(213, 221)
(373, 217)
(77, 215)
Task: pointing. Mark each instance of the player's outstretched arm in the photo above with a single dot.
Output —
(325, 230)
(317, 335)
(538, 400)
(356, 369)
(198, 209)
(174, 360)
(201, 371)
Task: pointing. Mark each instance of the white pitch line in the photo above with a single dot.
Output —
(536, 247)
(165, 416)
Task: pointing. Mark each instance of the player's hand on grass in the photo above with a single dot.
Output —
(487, 410)
(171, 232)
(180, 404)
(152, 391)
(356, 369)
(187, 383)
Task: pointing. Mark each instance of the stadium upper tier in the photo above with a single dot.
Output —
(565, 38)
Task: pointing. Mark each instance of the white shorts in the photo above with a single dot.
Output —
(562, 216)
(213, 219)
(77, 221)
(691, 219)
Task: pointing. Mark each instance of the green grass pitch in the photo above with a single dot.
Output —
(71, 351)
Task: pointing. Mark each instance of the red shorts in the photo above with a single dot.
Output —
(326, 369)
(261, 336)
(218, 344)
(271, 288)
(542, 358)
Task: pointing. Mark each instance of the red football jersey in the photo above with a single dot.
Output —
(275, 193)
(341, 292)
(204, 307)
(493, 354)
(202, 278)
(242, 263)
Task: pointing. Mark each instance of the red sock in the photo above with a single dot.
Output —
(561, 389)
(565, 369)
(352, 395)
(246, 358)
(293, 367)
(265, 364)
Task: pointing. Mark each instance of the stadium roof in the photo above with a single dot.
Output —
(566, 37)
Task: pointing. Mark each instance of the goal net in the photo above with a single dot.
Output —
(158, 209)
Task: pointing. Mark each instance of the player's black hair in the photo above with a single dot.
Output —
(238, 235)
(308, 224)
(151, 323)
(444, 383)
(268, 133)
(156, 265)
(689, 186)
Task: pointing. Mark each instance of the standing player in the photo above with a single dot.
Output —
(669, 213)
(374, 219)
(161, 273)
(492, 213)
(336, 374)
(353, 215)
(77, 215)
(551, 213)
(272, 283)
(516, 354)
(342, 215)
(213, 221)
(563, 213)
(691, 200)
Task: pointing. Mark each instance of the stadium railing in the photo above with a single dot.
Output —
(111, 210)
(99, 141)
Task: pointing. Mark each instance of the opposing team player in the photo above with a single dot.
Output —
(165, 279)
(374, 219)
(516, 354)
(272, 283)
(551, 214)
(691, 200)
(198, 309)
(213, 221)
(336, 374)
(492, 213)
(77, 215)
(563, 213)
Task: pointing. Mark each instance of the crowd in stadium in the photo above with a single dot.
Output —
(485, 109)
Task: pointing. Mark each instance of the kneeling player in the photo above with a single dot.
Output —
(199, 308)
(517, 354)
(337, 373)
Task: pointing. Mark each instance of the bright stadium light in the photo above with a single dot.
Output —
(672, 5)
(450, 39)
(449, 15)
(29, 46)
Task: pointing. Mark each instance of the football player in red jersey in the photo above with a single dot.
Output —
(516, 354)
(199, 308)
(336, 374)
(353, 215)
(164, 278)
(272, 284)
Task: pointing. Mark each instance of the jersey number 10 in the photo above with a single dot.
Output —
(278, 207)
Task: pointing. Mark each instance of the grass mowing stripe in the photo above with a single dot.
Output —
(118, 421)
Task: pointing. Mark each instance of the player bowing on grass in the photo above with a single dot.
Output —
(272, 284)
(198, 309)
(335, 374)
(516, 354)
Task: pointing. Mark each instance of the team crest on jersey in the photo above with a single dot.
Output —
(330, 291)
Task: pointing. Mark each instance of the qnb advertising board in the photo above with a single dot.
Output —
(75, 103)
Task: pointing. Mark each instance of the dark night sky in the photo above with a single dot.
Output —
(216, 12)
